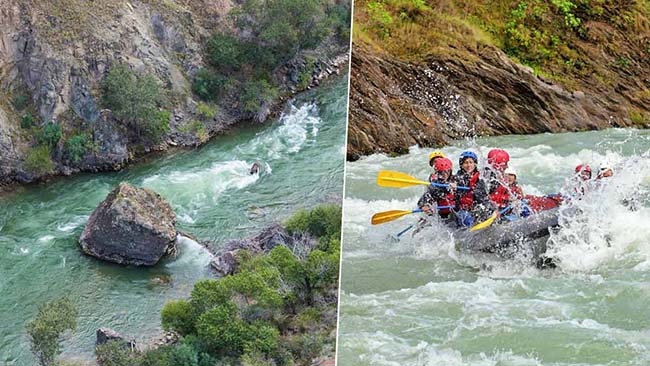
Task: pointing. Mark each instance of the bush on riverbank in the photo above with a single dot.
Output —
(136, 100)
(277, 309)
(45, 331)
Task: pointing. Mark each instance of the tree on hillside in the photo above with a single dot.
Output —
(136, 100)
(45, 331)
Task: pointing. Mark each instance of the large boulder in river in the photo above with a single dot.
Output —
(131, 226)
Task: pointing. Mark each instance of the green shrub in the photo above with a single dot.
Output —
(20, 101)
(257, 93)
(197, 128)
(116, 353)
(38, 160)
(221, 330)
(323, 220)
(208, 85)
(50, 134)
(75, 147)
(136, 100)
(380, 18)
(27, 121)
(178, 316)
(45, 331)
(224, 51)
(206, 110)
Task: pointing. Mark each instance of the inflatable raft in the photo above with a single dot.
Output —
(529, 233)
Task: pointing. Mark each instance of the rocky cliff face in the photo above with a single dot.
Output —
(395, 104)
(56, 54)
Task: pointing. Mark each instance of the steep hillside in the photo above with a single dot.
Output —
(428, 72)
(91, 85)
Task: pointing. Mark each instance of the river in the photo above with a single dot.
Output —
(418, 301)
(215, 198)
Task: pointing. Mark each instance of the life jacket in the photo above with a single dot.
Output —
(448, 200)
(466, 200)
(500, 196)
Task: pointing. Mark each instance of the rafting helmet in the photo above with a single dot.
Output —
(443, 164)
(583, 167)
(435, 154)
(510, 170)
(467, 154)
(498, 158)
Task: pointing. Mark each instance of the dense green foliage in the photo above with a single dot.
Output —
(45, 331)
(50, 134)
(271, 310)
(76, 147)
(275, 31)
(20, 101)
(566, 40)
(137, 101)
(27, 121)
(38, 160)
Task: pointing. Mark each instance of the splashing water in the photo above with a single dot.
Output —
(418, 301)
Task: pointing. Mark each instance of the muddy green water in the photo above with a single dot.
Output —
(302, 157)
(420, 302)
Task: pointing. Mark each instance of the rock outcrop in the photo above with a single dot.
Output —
(105, 335)
(396, 104)
(133, 226)
(225, 261)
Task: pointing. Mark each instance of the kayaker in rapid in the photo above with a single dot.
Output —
(473, 205)
(437, 197)
(498, 162)
(433, 157)
(255, 168)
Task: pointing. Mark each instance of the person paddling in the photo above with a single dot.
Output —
(473, 203)
(433, 157)
(440, 197)
(516, 194)
(498, 160)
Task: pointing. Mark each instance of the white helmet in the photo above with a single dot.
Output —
(510, 170)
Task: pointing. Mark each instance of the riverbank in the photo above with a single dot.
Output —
(412, 84)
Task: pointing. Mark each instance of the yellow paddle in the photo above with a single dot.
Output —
(484, 224)
(389, 178)
(388, 216)
(490, 220)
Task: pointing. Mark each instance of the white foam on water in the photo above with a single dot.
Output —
(294, 130)
(192, 254)
(186, 218)
(75, 223)
(46, 238)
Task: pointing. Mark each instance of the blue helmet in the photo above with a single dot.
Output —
(467, 154)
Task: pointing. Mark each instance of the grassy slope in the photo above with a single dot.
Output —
(580, 44)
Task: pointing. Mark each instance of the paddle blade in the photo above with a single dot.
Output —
(485, 223)
(388, 216)
(389, 178)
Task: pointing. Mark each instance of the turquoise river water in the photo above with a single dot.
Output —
(418, 301)
(302, 156)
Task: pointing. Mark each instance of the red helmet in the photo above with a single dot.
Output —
(583, 167)
(442, 164)
(498, 156)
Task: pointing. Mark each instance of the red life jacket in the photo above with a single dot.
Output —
(447, 200)
(500, 196)
(467, 198)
